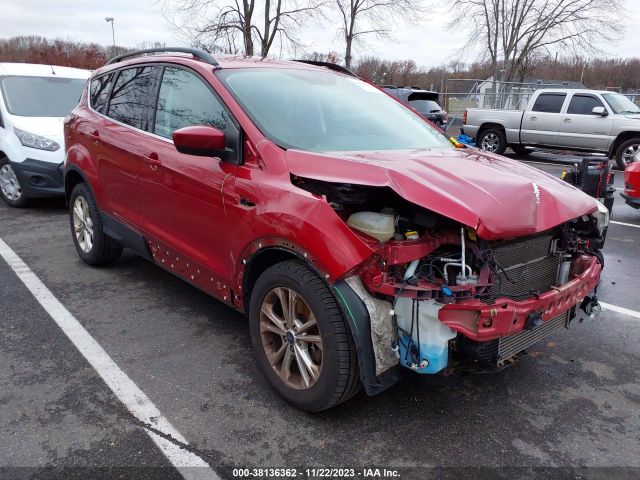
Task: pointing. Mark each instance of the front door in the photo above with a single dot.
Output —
(182, 196)
(581, 128)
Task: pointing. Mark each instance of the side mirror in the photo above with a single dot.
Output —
(600, 111)
(200, 140)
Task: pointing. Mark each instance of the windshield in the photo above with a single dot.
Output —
(425, 106)
(321, 111)
(620, 103)
(41, 96)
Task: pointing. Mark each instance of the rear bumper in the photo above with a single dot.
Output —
(481, 322)
(39, 179)
(631, 201)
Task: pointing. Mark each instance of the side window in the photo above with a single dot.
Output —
(98, 91)
(185, 100)
(549, 102)
(129, 96)
(583, 104)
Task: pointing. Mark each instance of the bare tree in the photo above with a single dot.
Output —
(237, 26)
(514, 33)
(365, 17)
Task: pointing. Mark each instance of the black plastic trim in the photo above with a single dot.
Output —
(331, 66)
(357, 316)
(125, 235)
(631, 201)
(198, 54)
(39, 179)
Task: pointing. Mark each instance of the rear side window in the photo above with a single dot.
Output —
(583, 104)
(129, 96)
(98, 92)
(549, 102)
(185, 100)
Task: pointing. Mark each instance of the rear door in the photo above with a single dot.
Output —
(182, 196)
(581, 128)
(123, 142)
(540, 125)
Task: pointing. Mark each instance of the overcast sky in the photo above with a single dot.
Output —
(138, 21)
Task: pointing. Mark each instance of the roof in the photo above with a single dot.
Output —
(39, 70)
(572, 90)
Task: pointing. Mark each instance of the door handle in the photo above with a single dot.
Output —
(566, 120)
(152, 160)
(533, 119)
(95, 136)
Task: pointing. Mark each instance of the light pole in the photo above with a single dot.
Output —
(113, 32)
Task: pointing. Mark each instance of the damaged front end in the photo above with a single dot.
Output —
(439, 299)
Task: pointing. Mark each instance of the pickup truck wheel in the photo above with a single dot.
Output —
(10, 189)
(626, 152)
(301, 340)
(92, 245)
(492, 141)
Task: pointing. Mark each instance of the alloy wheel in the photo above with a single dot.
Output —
(291, 338)
(490, 142)
(9, 183)
(628, 156)
(83, 224)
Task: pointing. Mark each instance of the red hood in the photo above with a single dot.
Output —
(499, 197)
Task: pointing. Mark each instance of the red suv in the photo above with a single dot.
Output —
(359, 241)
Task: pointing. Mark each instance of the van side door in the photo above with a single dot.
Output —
(540, 125)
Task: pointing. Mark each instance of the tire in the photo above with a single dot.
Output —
(10, 190)
(337, 378)
(626, 151)
(521, 149)
(492, 140)
(85, 222)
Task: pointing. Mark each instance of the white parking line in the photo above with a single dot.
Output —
(625, 224)
(624, 311)
(190, 465)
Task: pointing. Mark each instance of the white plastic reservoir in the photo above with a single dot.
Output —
(429, 353)
(380, 226)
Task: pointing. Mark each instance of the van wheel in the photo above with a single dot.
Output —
(492, 140)
(93, 246)
(10, 189)
(301, 340)
(625, 154)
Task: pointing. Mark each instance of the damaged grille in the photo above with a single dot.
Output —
(526, 267)
(509, 346)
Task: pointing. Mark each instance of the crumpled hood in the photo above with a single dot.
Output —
(499, 197)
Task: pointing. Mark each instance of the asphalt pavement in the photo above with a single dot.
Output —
(571, 407)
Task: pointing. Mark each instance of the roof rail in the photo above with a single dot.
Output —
(199, 54)
(332, 66)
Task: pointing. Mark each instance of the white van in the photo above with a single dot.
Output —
(34, 100)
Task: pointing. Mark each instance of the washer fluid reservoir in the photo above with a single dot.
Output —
(380, 226)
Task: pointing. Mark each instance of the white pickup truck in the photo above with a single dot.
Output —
(582, 120)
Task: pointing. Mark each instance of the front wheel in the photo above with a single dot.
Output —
(302, 342)
(626, 152)
(92, 245)
(10, 189)
(492, 140)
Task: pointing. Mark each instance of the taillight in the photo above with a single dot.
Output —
(464, 118)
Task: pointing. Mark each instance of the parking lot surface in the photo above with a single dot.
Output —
(573, 402)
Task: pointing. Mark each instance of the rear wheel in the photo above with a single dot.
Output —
(492, 140)
(521, 149)
(625, 154)
(301, 340)
(10, 189)
(93, 246)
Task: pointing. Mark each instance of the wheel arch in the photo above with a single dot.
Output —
(489, 125)
(620, 139)
(72, 177)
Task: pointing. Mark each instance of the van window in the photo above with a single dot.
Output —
(549, 102)
(98, 92)
(41, 96)
(583, 104)
(184, 100)
(129, 97)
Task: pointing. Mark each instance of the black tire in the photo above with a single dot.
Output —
(492, 140)
(339, 378)
(20, 202)
(632, 144)
(104, 250)
(521, 149)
